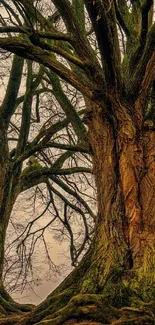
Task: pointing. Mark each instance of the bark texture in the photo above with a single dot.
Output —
(115, 281)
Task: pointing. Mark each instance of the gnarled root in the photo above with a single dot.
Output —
(10, 311)
(91, 309)
(82, 309)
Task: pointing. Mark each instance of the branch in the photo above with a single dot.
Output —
(66, 188)
(31, 52)
(144, 72)
(81, 44)
(27, 181)
(49, 35)
(45, 46)
(26, 109)
(13, 29)
(45, 171)
(67, 106)
(121, 15)
(78, 6)
(12, 12)
(149, 112)
(35, 175)
(104, 24)
(62, 146)
(74, 256)
(40, 147)
(30, 224)
(39, 91)
(56, 36)
(26, 113)
(142, 39)
(145, 20)
(9, 102)
(34, 147)
(71, 21)
(46, 133)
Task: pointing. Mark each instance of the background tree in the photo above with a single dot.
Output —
(115, 281)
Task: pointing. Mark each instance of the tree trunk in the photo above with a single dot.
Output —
(115, 281)
(9, 190)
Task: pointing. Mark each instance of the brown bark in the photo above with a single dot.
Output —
(106, 287)
(115, 281)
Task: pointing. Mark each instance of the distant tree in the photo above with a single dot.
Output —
(106, 51)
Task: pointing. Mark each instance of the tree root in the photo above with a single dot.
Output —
(9, 308)
(82, 306)
(48, 307)
(10, 320)
(69, 307)
(12, 306)
(82, 309)
(135, 316)
(95, 308)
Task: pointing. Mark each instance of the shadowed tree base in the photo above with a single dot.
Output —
(91, 309)
(118, 303)
(8, 305)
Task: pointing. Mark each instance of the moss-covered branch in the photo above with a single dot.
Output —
(26, 114)
(67, 107)
(122, 15)
(36, 174)
(28, 50)
(104, 24)
(144, 73)
(9, 103)
(28, 31)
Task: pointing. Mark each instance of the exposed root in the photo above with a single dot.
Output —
(134, 321)
(11, 312)
(82, 322)
(82, 309)
(8, 305)
(94, 308)
(11, 306)
(10, 320)
(82, 306)
(48, 307)
(117, 304)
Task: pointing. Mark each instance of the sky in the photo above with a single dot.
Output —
(46, 280)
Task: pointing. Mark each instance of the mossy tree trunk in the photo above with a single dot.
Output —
(9, 190)
(124, 172)
(115, 281)
(8, 183)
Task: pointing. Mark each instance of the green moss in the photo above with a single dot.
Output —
(117, 294)
(30, 169)
(88, 286)
(79, 11)
(50, 305)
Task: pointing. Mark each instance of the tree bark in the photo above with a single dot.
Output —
(114, 282)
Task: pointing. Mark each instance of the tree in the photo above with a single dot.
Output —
(115, 281)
